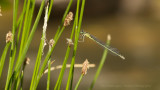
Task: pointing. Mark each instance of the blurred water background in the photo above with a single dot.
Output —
(134, 26)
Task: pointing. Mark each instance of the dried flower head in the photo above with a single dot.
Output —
(85, 67)
(69, 42)
(27, 60)
(109, 37)
(0, 11)
(68, 19)
(51, 42)
(9, 37)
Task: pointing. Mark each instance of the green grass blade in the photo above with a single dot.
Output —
(20, 21)
(78, 82)
(19, 80)
(49, 72)
(27, 25)
(22, 78)
(70, 77)
(100, 65)
(27, 60)
(17, 67)
(40, 52)
(46, 60)
(12, 50)
(58, 34)
(50, 7)
(65, 59)
(3, 57)
(24, 28)
(11, 63)
(76, 24)
(37, 64)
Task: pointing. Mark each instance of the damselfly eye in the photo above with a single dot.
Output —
(82, 31)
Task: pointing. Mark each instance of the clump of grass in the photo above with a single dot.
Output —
(24, 30)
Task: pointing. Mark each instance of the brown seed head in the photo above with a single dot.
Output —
(85, 67)
(70, 42)
(27, 60)
(68, 19)
(51, 42)
(9, 36)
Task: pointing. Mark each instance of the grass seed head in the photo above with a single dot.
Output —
(85, 67)
(69, 42)
(51, 42)
(9, 37)
(68, 19)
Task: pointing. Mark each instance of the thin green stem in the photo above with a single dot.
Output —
(46, 60)
(20, 21)
(76, 24)
(21, 59)
(49, 72)
(3, 57)
(22, 78)
(65, 59)
(58, 34)
(70, 77)
(40, 51)
(24, 28)
(78, 82)
(100, 66)
(17, 67)
(37, 64)
(29, 20)
(50, 7)
(12, 50)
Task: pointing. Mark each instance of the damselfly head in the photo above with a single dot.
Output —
(82, 31)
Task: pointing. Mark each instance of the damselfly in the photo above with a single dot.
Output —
(101, 43)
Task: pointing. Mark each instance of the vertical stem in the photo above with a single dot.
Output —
(78, 82)
(25, 49)
(49, 72)
(50, 7)
(12, 51)
(70, 77)
(101, 64)
(40, 51)
(3, 57)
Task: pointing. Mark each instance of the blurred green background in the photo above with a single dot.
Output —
(134, 26)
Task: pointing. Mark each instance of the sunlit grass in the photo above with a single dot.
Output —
(23, 29)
